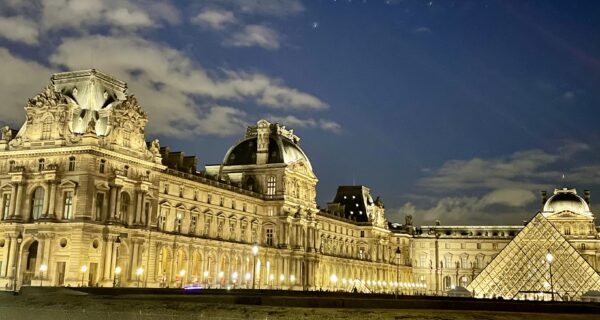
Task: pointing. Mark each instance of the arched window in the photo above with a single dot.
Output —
(447, 283)
(464, 281)
(567, 231)
(47, 128)
(271, 185)
(124, 209)
(37, 203)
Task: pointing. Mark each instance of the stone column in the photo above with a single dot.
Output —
(6, 257)
(12, 255)
(107, 259)
(134, 260)
(117, 204)
(19, 202)
(52, 204)
(113, 199)
(46, 199)
(137, 219)
(13, 199)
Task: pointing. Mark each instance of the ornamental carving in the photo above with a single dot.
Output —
(47, 98)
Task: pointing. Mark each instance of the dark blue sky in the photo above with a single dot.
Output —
(457, 110)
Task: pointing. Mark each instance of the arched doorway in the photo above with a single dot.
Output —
(163, 270)
(447, 283)
(464, 281)
(29, 263)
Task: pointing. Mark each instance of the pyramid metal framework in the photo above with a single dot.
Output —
(520, 270)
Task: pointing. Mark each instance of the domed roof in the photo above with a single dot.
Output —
(566, 200)
(281, 150)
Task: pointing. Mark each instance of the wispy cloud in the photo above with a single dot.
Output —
(19, 29)
(215, 19)
(254, 35)
(293, 121)
(421, 30)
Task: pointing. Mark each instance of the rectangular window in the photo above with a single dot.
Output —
(448, 262)
(101, 166)
(99, 206)
(5, 206)
(166, 188)
(72, 164)
(207, 227)
(270, 211)
(244, 207)
(68, 206)
(126, 138)
(47, 128)
(479, 246)
(233, 204)
(41, 164)
(221, 201)
(271, 185)
(209, 198)
(362, 234)
(495, 246)
(193, 224)
(178, 220)
(269, 236)
(423, 262)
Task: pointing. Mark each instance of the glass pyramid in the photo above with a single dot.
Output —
(521, 270)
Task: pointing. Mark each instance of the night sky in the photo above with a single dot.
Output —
(454, 110)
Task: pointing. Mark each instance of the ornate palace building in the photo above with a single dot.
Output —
(87, 201)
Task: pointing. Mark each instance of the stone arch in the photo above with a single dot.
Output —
(196, 271)
(163, 265)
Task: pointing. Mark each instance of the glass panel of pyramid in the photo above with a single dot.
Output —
(521, 270)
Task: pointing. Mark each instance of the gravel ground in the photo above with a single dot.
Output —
(80, 306)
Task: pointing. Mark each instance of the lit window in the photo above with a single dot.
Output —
(178, 220)
(269, 236)
(5, 205)
(68, 206)
(271, 185)
(37, 204)
(193, 224)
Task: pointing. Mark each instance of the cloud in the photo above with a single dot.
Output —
(19, 29)
(296, 122)
(254, 35)
(421, 30)
(497, 190)
(83, 14)
(275, 8)
(19, 80)
(214, 19)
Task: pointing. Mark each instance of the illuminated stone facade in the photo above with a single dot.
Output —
(94, 203)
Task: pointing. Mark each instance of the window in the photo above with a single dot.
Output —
(47, 128)
(126, 171)
(270, 211)
(181, 191)
(423, 261)
(220, 228)
(102, 166)
(464, 262)
(464, 281)
(68, 206)
(221, 201)
(37, 203)
(5, 205)
(244, 207)
(479, 246)
(269, 236)
(362, 234)
(126, 138)
(232, 229)
(195, 195)
(193, 224)
(41, 164)
(11, 165)
(166, 188)
(99, 206)
(124, 209)
(448, 262)
(233, 204)
(162, 221)
(207, 226)
(495, 246)
(178, 220)
(447, 283)
(583, 246)
(271, 184)
(71, 163)
(567, 231)
(209, 198)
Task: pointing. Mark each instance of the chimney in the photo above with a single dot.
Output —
(544, 197)
(262, 141)
(586, 196)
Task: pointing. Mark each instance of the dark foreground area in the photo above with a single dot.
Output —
(105, 303)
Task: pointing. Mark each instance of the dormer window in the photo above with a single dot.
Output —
(47, 128)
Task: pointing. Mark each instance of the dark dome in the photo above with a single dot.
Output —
(281, 150)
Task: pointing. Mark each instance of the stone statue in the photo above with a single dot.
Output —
(155, 147)
(6, 133)
(91, 127)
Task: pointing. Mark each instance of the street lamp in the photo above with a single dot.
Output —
(292, 279)
(117, 273)
(181, 275)
(83, 271)
(16, 277)
(138, 274)
(43, 268)
(234, 277)
(333, 279)
(550, 259)
(254, 253)
(398, 256)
